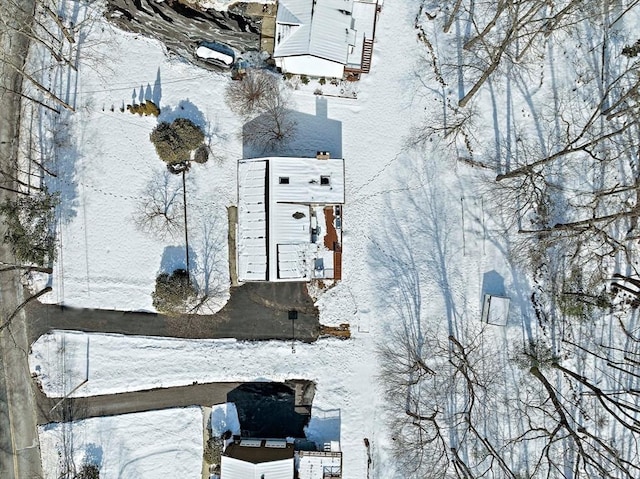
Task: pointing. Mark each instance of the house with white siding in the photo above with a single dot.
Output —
(325, 38)
(290, 218)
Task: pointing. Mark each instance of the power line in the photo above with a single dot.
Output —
(167, 82)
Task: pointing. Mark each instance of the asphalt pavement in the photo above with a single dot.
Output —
(63, 410)
(255, 311)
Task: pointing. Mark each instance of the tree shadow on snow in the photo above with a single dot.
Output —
(184, 109)
(313, 133)
(60, 155)
(174, 258)
(416, 255)
(210, 265)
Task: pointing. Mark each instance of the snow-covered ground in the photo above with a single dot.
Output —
(105, 262)
(116, 364)
(166, 443)
(424, 238)
(224, 417)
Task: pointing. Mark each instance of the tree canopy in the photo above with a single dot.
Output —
(175, 141)
(29, 227)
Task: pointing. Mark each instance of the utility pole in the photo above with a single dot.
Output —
(186, 230)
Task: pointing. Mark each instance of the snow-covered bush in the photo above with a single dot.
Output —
(175, 141)
(173, 292)
(29, 227)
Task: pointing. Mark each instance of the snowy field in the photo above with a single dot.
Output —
(427, 232)
(118, 364)
(105, 262)
(166, 443)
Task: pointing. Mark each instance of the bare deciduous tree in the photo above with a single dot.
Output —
(252, 93)
(274, 126)
(160, 210)
(262, 100)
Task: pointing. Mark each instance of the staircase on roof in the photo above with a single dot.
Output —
(367, 53)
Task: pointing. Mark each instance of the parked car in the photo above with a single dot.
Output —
(216, 53)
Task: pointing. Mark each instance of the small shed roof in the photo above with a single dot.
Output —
(495, 309)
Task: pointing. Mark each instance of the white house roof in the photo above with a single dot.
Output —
(280, 209)
(252, 230)
(322, 28)
(258, 459)
(237, 469)
(313, 465)
(305, 180)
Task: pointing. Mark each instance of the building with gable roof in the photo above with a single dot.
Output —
(258, 459)
(325, 38)
(290, 218)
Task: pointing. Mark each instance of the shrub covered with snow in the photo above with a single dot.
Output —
(173, 292)
(175, 141)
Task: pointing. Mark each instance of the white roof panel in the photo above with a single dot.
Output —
(276, 229)
(323, 29)
(299, 16)
(232, 468)
(290, 229)
(293, 261)
(252, 221)
(305, 180)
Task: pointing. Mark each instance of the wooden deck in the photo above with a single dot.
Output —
(333, 242)
(367, 53)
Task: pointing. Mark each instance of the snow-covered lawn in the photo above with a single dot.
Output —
(418, 230)
(117, 363)
(104, 260)
(146, 445)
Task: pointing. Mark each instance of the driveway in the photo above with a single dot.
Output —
(255, 311)
(181, 28)
(294, 400)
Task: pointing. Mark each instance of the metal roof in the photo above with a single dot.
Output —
(232, 468)
(322, 28)
(252, 230)
(281, 220)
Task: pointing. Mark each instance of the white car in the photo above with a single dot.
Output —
(217, 53)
